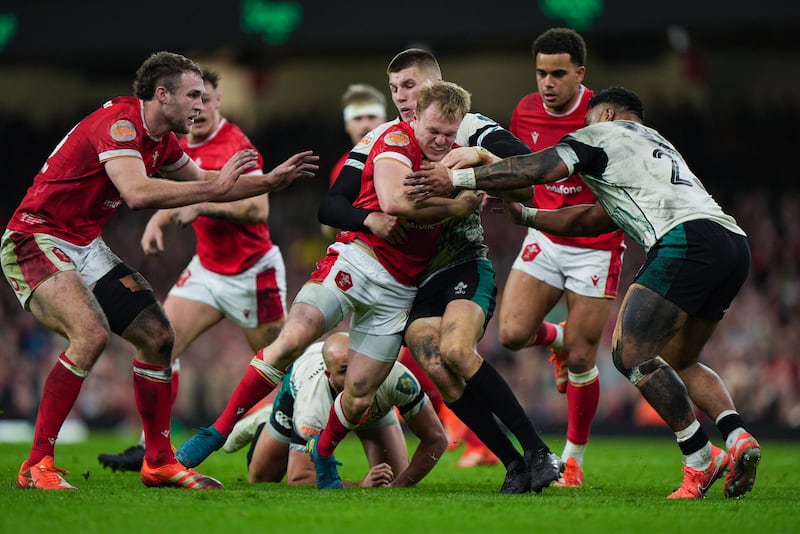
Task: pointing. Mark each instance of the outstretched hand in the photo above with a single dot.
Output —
(238, 164)
(432, 180)
(300, 165)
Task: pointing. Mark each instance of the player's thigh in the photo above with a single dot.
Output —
(462, 323)
(462, 327)
(365, 375)
(65, 305)
(646, 323)
(586, 321)
(262, 335)
(525, 301)
(685, 346)
(190, 318)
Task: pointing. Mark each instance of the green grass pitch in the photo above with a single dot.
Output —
(627, 480)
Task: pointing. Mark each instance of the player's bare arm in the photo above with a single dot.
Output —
(511, 173)
(572, 221)
(153, 236)
(432, 445)
(139, 191)
(388, 227)
(246, 211)
(389, 175)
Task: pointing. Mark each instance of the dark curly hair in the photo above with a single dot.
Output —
(623, 98)
(561, 41)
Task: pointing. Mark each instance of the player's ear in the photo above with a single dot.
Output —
(162, 93)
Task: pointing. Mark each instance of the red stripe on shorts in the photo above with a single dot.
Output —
(614, 271)
(34, 265)
(268, 298)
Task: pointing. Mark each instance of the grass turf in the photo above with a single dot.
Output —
(627, 480)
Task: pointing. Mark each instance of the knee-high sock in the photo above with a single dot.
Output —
(258, 381)
(337, 428)
(583, 396)
(60, 391)
(152, 389)
(407, 359)
(480, 419)
(545, 335)
(487, 384)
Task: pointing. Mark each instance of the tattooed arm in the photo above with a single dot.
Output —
(511, 173)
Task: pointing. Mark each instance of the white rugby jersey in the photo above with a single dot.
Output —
(313, 395)
(643, 183)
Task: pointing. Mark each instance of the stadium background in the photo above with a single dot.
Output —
(720, 79)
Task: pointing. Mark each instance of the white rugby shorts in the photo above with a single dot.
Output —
(584, 271)
(255, 296)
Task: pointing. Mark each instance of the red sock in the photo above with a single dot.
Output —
(152, 389)
(336, 430)
(472, 439)
(582, 400)
(545, 335)
(407, 359)
(253, 387)
(59, 393)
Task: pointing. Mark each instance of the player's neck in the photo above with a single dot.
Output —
(155, 126)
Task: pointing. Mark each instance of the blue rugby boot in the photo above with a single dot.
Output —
(325, 467)
(199, 447)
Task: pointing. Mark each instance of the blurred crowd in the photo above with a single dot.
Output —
(734, 149)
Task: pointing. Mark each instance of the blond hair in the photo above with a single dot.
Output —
(453, 100)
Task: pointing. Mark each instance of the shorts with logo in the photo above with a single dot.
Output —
(29, 259)
(350, 279)
(250, 298)
(699, 266)
(472, 280)
(584, 271)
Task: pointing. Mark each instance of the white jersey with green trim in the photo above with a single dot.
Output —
(313, 395)
(640, 179)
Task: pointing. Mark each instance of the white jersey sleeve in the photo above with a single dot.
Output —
(358, 154)
(641, 180)
(312, 393)
(401, 389)
(474, 128)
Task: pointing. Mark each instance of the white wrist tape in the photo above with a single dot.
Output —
(528, 216)
(463, 178)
